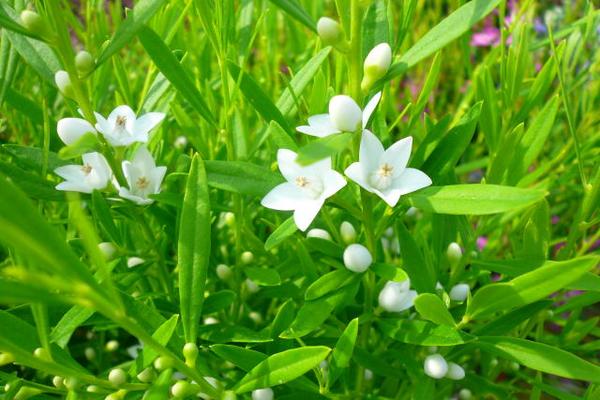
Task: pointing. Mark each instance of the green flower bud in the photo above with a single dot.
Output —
(111, 345)
(183, 388)
(190, 353)
(347, 232)
(84, 62)
(162, 363)
(108, 250)
(247, 257)
(58, 382)
(454, 253)
(33, 22)
(329, 31)
(71, 383)
(146, 376)
(223, 272)
(117, 376)
(93, 389)
(42, 354)
(6, 358)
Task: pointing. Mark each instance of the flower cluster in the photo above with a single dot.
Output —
(120, 129)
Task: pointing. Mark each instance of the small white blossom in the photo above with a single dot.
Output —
(455, 371)
(306, 189)
(344, 116)
(123, 128)
(134, 261)
(435, 366)
(71, 129)
(384, 172)
(93, 174)
(397, 296)
(318, 233)
(357, 258)
(459, 292)
(143, 177)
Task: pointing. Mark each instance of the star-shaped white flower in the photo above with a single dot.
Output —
(306, 189)
(93, 174)
(71, 129)
(397, 296)
(384, 172)
(344, 116)
(123, 128)
(143, 177)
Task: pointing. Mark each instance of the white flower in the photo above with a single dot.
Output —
(143, 177)
(459, 292)
(397, 296)
(435, 366)
(455, 371)
(306, 188)
(357, 258)
(71, 129)
(344, 116)
(122, 127)
(93, 174)
(384, 172)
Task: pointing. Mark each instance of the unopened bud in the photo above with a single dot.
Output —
(229, 218)
(117, 377)
(42, 354)
(368, 374)
(459, 292)
(247, 257)
(71, 383)
(455, 371)
(112, 345)
(33, 22)
(465, 394)
(190, 353)
(454, 253)
(89, 353)
(345, 114)
(251, 286)
(58, 382)
(318, 233)
(435, 366)
(146, 376)
(347, 232)
(183, 389)
(223, 272)
(63, 82)
(329, 31)
(255, 317)
(134, 261)
(262, 394)
(84, 62)
(376, 65)
(6, 358)
(357, 258)
(162, 363)
(180, 143)
(93, 389)
(107, 249)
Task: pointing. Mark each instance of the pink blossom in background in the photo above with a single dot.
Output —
(481, 242)
(555, 219)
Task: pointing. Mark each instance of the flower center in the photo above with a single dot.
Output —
(121, 121)
(142, 183)
(382, 178)
(312, 187)
(86, 169)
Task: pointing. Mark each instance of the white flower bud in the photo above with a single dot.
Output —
(33, 22)
(93, 389)
(324, 365)
(465, 394)
(63, 82)
(89, 353)
(247, 257)
(435, 366)
(84, 62)
(111, 345)
(180, 143)
(223, 272)
(455, 371)
(357, 258)
(147, 375)
(262, 394)
(368, 374)
(347, 232)
(210, 321)
(255, 317)
(117, 376)
(251, 286)
(181, 389)
(329, 31)
(135, 261)
(397, 296)
(319, 233)
(389, 232)
(378, 61)
(345, 114)
(459, 292)
(454, 253)
(108, 249)
(58, 382)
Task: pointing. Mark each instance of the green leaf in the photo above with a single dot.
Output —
(509, 321)
(241, 357)
(375, 26)
(257, 97)
(162, 335)
(287, 101)
(136, 18)
(389, 272)
(241, 177)
(71, 320)
(32, 157)
(342, 352)
(422, 276)
(170, 67)
(283, 231)
(432, 308)
(7, 22)
(217, 301)
(102, 216)
(323, 148)
(449, 29)
(263, 276)
(31, 183)
(85, 144)
(282, 367)
(542, 357)
(529, 287)
(330, 282)
(423, 333)
(220, 333)
(193, 250)
(475, 199)
(295, 10)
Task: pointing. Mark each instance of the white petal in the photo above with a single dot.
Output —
(71, 186)
(411, 180)
(408, 301)
(121, 111)
(143, 160)
(357, 174)
(306, 213)
(71, 129)
(317, 169)
(129, 172)
(126, 194)
(147, 122)
(397, 155)
(371, 151)
(284, 197)
(70, 172)
(319, 125)
(333, 182)
(286, 159)
(157, 176)
(345, 114)
(390, 196)
(369, 108)
(98, 163)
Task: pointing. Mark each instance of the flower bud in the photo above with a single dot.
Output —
(329, 31)
(42, 354)
(210, 321)
(435, 366)
(229, 218)
(111, 345)
(180, 143)
(223, 272)
(118, 395)
(71, 383)
(162, 363)
(183, 389)
(6, 358)
(376, 65)
(146, 376)
(347, 232)
(93, 389)
(465, 394)
(345, 114)
(134, 261)
(89, 353)
(319, 233)
(455, 371)
(190, 353)
(357, 258)
(459, 292)
(368, 374)
(247, 257)
(454, 253)
(84, 62)
(397, 296)
(262, 394)
(117, 377)
(255, 317)
(63, 82)
(108, 250)
(58, 382)
(228, 395)
(251, 286)
(33, 22)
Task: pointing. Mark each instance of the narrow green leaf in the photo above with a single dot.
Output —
(342, 352)
(389, 272)
(509, 321)
(282, 367)
(323, 148)
(217, 301)
(85, 144)
(422, 276)
(71, 320)
(423, 333)
(330, 282)
(241, 357)
(193, 250)
(8, 23)
(263, 276)
(162, 335)
(283, 231)
(241, 177)
(103, 217)
(296, 11)
(432, 308)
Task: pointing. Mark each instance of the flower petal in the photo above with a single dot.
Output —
(71, 129)
(70, 173)
(411, 180)
(157, 176)
(344, 113)
(390, 196)
(147, 122)
(143, 160)
(71, 186)
(126, 194)
(286, 159)
(333, 181)
(369, 108)
(306, 213)
(397, 155)
(356, 173)
(408, 301)
(371, 151)
(284, 197)
(122, 111)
